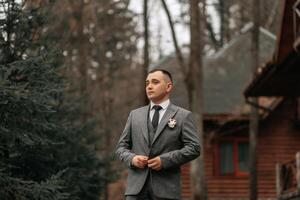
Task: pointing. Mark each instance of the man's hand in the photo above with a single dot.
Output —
(155, 163)
(139, 161)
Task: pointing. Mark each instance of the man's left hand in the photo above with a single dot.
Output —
(155, 163)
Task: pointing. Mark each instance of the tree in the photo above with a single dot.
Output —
(195, 93)
(254, 115)
(99, 43)
(98, 39)
(239, 13)
(224, 21)
(193, 81)
(175, 42)
(146, 51)
(44, 151)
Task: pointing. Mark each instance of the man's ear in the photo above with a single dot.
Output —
(169, 86)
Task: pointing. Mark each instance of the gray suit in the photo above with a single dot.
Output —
(175, 146)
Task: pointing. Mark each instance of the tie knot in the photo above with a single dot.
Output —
(157, 107)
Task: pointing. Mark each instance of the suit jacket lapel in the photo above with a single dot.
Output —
(170, 112)
(144, 122)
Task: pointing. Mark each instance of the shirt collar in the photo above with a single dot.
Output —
(163, 104)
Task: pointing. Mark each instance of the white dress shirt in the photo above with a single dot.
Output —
(162, 111)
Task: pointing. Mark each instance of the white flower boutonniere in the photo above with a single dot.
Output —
(172, 123)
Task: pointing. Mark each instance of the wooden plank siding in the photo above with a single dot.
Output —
(278, 142)
(185, 181)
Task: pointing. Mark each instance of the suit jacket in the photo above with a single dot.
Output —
(175, 146)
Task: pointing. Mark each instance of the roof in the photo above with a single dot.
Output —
(226, 74)
(280, 76)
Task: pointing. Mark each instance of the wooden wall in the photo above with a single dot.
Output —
(278, 141)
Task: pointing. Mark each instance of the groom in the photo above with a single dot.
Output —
(156, 141)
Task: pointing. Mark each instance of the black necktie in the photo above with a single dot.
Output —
(155, 118)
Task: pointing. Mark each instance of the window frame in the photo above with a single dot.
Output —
(235, 142)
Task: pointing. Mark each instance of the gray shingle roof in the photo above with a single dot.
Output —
(226, 74)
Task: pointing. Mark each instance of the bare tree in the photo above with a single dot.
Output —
(234, 14)
(254, 122)
(146, 50)
(211, 34)
(195, 93)
(99, 44)
(224, 24)
(175, 42)
(193, 81)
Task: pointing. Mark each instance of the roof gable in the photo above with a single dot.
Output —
(226, 74)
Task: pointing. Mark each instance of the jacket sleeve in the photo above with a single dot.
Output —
(123, 149)
(191, 145)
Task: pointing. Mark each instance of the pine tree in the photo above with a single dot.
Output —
(43, 149)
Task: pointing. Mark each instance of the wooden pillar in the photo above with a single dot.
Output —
(278, 180)
(298, 170)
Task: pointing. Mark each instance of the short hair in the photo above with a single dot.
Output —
(165, 72)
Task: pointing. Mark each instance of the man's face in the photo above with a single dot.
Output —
(158, 86)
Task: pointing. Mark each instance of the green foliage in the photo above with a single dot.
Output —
(43, 153)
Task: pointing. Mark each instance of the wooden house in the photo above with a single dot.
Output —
(280, 78)
(226, 117)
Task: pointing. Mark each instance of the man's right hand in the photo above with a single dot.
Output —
(140, 161)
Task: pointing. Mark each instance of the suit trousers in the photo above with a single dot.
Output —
(146, 193)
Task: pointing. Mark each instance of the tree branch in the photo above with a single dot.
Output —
(177, 50)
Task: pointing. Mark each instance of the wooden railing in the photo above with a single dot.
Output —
(288, 179)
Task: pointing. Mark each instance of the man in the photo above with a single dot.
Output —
(156, 141)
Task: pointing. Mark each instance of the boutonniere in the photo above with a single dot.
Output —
(172, 123)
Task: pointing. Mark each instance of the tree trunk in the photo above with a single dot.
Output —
(177, 50)
(212, 35)
(254, 121)
(272, 16)
(193, 83)
(195, 93)
(146, 52)
(224, 21)
(83, 61)
(179, 55)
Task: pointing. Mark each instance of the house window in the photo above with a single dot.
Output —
(232, 158)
